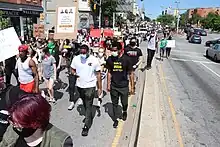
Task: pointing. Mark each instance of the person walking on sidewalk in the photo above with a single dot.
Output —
(168, 49)
(87, 69)
(163, 44)
(135, 55)
(27, 71)
(151, 48)
(119, 67)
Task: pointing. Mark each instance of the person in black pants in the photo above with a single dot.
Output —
(151, 48)
(168, 49)
(10, 64)
(119, 67)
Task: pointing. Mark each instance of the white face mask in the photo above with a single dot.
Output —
(101, 54)
(115, 53)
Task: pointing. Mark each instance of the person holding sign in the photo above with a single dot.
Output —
(27, 71)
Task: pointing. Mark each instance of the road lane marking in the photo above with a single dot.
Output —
(172, 109)
(196, 61)
(120, 128)
(210, 70)
(184, 55)
(181, 51)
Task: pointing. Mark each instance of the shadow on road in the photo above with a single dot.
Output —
(109, 109)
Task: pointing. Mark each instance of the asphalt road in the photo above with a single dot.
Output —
(102, 133)
(192, 82)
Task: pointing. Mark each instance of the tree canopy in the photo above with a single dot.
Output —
(4, 22)
(165, 19)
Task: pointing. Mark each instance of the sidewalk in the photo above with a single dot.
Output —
(151, 133)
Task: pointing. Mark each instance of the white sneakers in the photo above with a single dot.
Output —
(72, 104)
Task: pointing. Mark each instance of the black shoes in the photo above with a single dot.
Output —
(85, 131)
(115, 124)
(124, 116)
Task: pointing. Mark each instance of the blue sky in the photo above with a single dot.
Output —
(154, 6)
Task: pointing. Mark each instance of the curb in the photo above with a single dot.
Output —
(136, 124)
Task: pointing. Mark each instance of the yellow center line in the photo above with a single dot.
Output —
(172, 109)
(120, 128)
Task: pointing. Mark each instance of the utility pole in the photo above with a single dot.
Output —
(178, 16)
(100, 14)
(45, 13)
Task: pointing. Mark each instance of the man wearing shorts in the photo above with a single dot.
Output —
(27, 71)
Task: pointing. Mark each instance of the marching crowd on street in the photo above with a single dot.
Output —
(25, 118)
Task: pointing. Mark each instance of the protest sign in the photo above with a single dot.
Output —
(95, 33)
(9, 43)
(66, 23)
(38, 31)
(171, 43)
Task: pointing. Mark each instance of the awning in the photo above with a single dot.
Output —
(20, 7)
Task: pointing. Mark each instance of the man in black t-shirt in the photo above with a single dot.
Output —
(134, 53)
(119, 67)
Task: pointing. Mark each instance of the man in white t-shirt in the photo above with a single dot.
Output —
(87, 70)
(151, 48)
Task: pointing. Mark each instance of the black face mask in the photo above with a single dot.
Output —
(25, 132)
(133, 43)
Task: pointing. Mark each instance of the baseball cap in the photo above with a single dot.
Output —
(23, 48)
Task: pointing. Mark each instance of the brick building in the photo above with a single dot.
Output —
(22, 14)
(203, 12)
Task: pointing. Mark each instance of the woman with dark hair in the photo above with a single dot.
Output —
(49, 72)
(29, 125)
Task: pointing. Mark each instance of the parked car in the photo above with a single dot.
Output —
(212, 42)
(200, 32)
(195, 39)
(213, 52)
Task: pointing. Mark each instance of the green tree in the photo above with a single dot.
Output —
(165, 19)
(4, 22)
(108, 8)
(183, 19)
(195, 19)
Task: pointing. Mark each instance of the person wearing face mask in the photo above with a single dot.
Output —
(102, 61)
(30, 127)
(119, 67)
(135, 54)
(87, 70)
(151, 48)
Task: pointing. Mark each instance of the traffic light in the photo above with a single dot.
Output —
(94, 7)
(162, 12)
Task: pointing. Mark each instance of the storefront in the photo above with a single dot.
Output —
(21, 17)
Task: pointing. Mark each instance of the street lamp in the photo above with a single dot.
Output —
(178, 16)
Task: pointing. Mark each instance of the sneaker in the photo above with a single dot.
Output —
(99, 102)
(71, 106)
(115, 124)
(85, 131)
(52, 100)
(124, 116)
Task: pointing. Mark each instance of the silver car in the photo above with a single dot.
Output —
(213, 52)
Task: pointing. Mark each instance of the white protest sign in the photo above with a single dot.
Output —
(9, 43)
(171, 43)
(66, 19)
